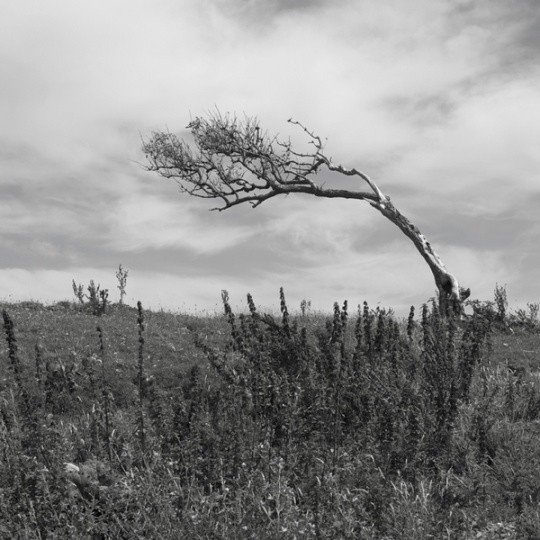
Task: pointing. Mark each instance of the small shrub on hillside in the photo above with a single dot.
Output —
(121, 276)
(96, 300)
(527, 319)
(497, 313)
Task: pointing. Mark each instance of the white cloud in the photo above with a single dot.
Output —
(484, 156)
(18, 218)
(439, 102)
(317, 226)
(149, 222)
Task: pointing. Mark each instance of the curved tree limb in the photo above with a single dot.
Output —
(235, 162)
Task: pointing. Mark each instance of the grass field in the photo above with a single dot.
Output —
(136, 424)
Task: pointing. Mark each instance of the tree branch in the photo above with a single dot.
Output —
(237, 163)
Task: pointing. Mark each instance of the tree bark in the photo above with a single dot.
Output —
(450, 294)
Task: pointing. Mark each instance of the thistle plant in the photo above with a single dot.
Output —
(97, 298)
(501, 301)
(284, 313)
(14, 360)
(235, 334)
(78, 291)
(12, 346)
(105, 394)
(410, 323)
(141, 381)
(121, 276)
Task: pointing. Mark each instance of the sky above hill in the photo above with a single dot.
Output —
(438, 101)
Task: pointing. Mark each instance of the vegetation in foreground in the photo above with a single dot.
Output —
(133, 424)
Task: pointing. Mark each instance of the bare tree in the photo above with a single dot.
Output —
(236, 162)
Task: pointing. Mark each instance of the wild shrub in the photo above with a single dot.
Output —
(356, 425)
(96, 300)
(526, 319)
(311, 402)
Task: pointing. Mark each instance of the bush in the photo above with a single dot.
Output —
(357, 426)
(97, 299)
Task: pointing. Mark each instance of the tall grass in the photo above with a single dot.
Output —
(352, 426)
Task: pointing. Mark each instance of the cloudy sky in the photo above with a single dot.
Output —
(437, 100)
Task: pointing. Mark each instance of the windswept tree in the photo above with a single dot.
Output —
(235, 162)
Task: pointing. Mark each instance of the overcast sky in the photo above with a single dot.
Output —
(437, 100)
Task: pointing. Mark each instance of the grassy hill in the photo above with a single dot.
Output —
(136, 424)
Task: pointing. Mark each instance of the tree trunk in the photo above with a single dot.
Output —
(450, 294)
